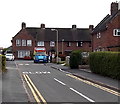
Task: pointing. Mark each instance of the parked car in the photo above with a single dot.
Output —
(40, 55)
(10, 56)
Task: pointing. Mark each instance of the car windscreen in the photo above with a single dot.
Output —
(9, 55)
(40, 53)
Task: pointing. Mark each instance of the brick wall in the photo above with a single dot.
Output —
(107, 39)
(22, 35)
(86, 46)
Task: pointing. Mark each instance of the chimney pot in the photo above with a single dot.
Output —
(91, 27)
(23, 25)
(74, 26)
(42, 25)
(114, 7)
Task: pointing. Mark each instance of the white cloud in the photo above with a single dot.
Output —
(54, 13)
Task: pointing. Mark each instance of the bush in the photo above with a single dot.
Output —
(3, 62)
(75, 59)
(105, 63)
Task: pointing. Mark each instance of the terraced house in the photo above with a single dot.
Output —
(106, 35)
(69, 39)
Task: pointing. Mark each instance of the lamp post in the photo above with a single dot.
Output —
(56, 42)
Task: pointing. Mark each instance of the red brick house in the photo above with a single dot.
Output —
(69, 39)
(106, 35)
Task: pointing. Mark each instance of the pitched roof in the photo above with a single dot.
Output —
(68, 34)
(102, 25)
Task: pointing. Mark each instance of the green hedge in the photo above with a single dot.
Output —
(75, 59)
(105, 63)
(3, 62)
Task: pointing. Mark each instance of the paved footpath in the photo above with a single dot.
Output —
(0, 87)
(12, 85)
(88, 75)
(0, 80)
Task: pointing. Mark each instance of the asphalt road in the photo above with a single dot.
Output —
(43, 83)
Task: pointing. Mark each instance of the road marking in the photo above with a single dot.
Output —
(75, 91)
(20, 64)
(23, 81)
(64, 71)
(10, 68)
(32, 90)
(59, 81)
(38, 93)
(27, 64)
(95, 85)
(82, 95)
(43, 72)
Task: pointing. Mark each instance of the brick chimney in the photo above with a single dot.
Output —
(74, 26)
(43, 26)
(114, 7)
(91, 27)
(23, 25)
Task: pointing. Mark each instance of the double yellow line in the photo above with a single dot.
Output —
(95, 85)
(37, 95)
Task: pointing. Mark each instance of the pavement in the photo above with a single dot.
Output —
(0, 87)
(12, 85)
(86, 74)
(0, 80)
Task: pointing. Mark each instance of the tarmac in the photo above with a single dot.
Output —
(86, 74)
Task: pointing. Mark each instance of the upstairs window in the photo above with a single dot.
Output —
(116, 32)
(40, 43)
(18, 42)
(23, 42)
(29, 42)
(79, 44)
(98, 35)
(68, 44)
(52, 44)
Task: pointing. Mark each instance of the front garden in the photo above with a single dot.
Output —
(103, 63)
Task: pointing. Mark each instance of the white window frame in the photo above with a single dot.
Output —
(40, 43)
(98, 35)
(79, 44)
(18, 42)
(29, 42)
(23, 42)
(116, 32)
(69, 44)
(52, 44)
(23, 53)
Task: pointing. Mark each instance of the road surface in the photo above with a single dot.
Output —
(41, 83)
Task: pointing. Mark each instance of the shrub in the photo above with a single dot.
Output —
(75, 59)
(3, 62)
(105, 63)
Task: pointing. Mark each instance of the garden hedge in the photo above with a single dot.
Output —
(75, 59)
(105, 63)
(3, 62)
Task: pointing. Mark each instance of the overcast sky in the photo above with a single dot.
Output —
(53, 13)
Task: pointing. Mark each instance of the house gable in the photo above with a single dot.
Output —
(103, 38)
